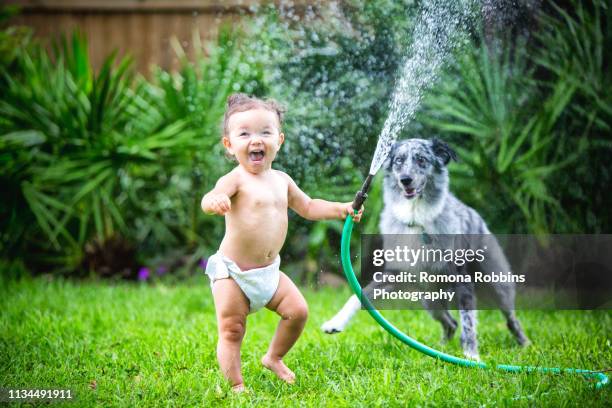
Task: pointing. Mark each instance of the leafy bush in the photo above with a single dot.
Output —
(529, 123)
(101, 157)
(574, 49)
(63, 147)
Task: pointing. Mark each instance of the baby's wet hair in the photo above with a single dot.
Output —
(239, 102)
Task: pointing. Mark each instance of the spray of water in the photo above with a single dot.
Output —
(440, 27)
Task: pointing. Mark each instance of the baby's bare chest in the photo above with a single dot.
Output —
(258, 196)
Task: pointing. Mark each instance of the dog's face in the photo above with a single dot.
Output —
(413, 162)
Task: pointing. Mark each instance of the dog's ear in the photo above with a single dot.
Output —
(443, 151)
(391, 156)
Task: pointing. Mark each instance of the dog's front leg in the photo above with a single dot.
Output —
(467, 311)
(439, 312)
(337, 323)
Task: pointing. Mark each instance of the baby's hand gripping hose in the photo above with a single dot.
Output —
(356, 287)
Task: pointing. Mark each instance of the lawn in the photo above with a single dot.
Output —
(141, 345)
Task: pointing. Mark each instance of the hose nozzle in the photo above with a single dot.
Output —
(362, 194)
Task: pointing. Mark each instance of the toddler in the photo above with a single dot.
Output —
(254, 199)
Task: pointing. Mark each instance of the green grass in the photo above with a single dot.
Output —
(155, 346)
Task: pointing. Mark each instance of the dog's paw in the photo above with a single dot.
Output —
(332, 326)
(472, 355)
(449, 332)
(524, 342)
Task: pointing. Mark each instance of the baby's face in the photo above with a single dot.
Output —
(254, 138)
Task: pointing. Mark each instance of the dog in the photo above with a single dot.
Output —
(417, 200)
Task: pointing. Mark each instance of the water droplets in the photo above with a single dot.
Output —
(334, 70)
(438, 29)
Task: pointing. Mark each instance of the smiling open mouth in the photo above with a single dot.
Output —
(410, 192)
(256, 155)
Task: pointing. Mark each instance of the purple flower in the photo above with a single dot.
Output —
(161, 270)
(203, 263)
(143, 273)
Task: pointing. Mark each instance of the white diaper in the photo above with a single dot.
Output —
(259, 284)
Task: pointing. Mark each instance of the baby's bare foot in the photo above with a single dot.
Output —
(238, 388)
(279, 368)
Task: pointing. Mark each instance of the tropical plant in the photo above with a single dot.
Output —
(67, 148)
(521, 128)
(574, 48)
(100, 157)
(12, 38)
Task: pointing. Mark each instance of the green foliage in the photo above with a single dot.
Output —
(62, 146)
(523, 121)
(490, 105)
(12, 39)
(580, 57)
(98, 155)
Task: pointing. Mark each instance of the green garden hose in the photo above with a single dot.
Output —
(356, 287)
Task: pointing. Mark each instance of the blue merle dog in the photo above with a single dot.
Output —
(417, 200)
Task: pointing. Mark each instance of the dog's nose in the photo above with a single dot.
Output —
(406, 180)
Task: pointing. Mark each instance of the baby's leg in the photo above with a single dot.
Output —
(289, 303)
(232, 308)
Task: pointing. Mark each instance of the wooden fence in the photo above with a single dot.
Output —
(140, 28)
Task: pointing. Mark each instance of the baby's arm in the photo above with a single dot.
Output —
(316, 209)
(217, 201)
